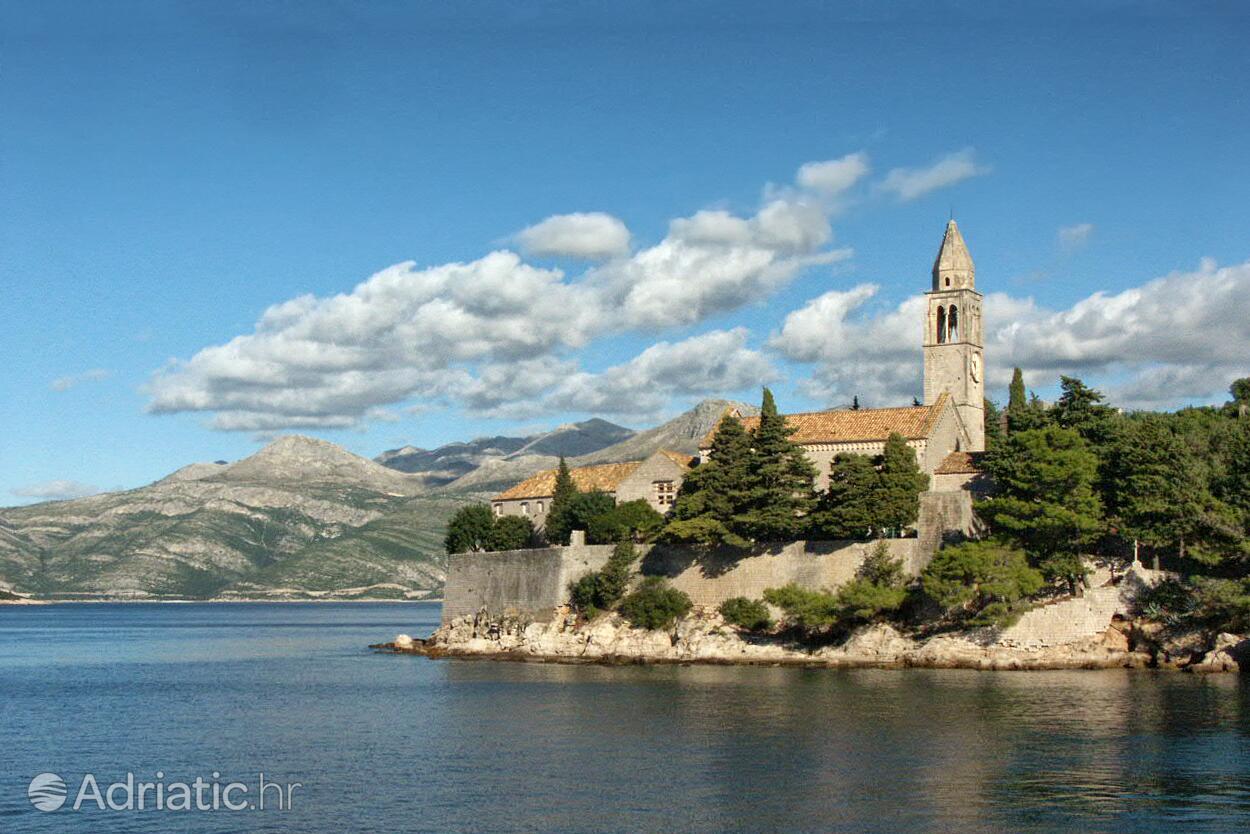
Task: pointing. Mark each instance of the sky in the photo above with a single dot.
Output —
(414, 223)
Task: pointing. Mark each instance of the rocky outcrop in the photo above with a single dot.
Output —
(1230, 653)
(704, 637)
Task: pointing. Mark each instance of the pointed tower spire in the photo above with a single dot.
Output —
(953, 268)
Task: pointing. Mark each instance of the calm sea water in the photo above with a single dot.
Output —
(392, 744)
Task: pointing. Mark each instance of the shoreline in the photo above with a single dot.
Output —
(705, 638)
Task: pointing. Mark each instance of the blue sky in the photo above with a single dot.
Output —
(169, 172)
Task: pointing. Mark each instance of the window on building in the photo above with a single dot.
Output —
(941, 330)
(498, 509)
(952, 324)
(539, 508)
(525, 508)
(665, 493)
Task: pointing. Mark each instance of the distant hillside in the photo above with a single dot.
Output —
(681, 434)
(441, 466)
(300, 515)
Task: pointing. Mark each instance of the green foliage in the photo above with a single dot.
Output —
(1046, 502)
(993, 424)
(781, 480)
(558, 524)
(714, 495)
(866, 498)
(1202, 602)
(635, 520)
(1017, 398)
(749, 614)
(877, 591)
(510, 532)
(602, 589)
(845, 509)
(900, 482)
(1084, 410)
(981, 583)
(810, 611)
(655, 605)
(470, 529)
(584, 507)
(1024, 413)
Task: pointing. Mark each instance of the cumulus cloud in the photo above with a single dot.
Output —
(65, 383)
(56, 490)
(709, 364)
(591, 236)
(495, 331)
(1171, 340)
(908, 184)
(1074, 237)
(834, 176)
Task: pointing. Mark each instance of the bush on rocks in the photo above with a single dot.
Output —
(655, 605)
(749, 614)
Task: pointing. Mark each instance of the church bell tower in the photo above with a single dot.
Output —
(953, 344)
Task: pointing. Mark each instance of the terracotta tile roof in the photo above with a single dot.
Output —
(849, 426)
(960, 463)
(678, 458)
(605, 476)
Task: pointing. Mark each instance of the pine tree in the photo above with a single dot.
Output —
(714, 495)
(780, 481)
(1046, 503)
(993, 424)
(900, 482)
(1016, 397)
(470, 529)
(845, 510)
(1084, 410)
(558, 524)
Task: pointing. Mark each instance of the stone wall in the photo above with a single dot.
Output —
(531, 583)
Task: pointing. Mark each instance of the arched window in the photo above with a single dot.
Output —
(941, 331)
(952, 324)
(948, 281)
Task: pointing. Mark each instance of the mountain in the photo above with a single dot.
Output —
(301, 517)
(681, 434)
(441, 466)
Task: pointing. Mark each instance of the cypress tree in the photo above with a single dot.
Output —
(1016, 398)
(714, 495)
(897, 503)
(780, 481)
(556, 528)
(993, 424)
(845, 509)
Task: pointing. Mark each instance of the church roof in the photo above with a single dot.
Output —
(605, 476)
(961, 463)
(855, 425)
(953, 257)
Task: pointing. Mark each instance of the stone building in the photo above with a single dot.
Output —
(655, 479)
(951, 421)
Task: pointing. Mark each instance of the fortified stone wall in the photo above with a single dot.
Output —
(531, 583)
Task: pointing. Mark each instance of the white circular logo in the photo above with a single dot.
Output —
(47, 792)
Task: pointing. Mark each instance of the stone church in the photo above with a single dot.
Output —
(948, 429)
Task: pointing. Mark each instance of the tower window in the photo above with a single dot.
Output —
(948, 281)
(952, 324)
(941, 330)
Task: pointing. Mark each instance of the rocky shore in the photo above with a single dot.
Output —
(704, 637)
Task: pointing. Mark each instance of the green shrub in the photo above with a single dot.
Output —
(750, 614)
(808, 610)
(469, 530)
(654, 604)
(510, 532)
(1203, 602)
(635, 520)
(980, 582)
(600, 590)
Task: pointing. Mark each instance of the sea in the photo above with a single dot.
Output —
(102, 705)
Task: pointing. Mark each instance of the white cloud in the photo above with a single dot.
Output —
(589, 235)
(1074, 237)
(65, 383)
(56, 490)
(834, 176)
(488, 333)
(1171, 340)
(911, 183)
(713, 363)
